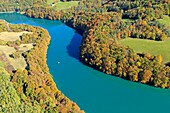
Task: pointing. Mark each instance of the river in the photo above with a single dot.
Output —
(93, 91)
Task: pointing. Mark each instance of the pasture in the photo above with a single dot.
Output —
(149, 46)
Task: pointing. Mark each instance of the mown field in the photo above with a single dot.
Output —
(50, 1)
(65, 5)
(6, 51)
(149, 46)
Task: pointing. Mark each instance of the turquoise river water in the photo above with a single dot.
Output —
(93, 91)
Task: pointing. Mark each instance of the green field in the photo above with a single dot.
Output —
(165, 20)
(50, 1)
(128, 20)
(149, 46)
(65, 5)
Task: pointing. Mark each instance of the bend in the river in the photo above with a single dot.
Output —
(93, 91)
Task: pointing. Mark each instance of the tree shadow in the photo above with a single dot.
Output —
(167, 64)
(73, 49)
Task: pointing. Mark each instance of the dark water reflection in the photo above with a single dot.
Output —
(73, 48)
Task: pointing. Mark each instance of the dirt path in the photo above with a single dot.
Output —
(8, 27)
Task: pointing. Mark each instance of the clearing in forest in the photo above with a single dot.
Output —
(12, 36)
(149, 46)
(17, 63)
(65, 5)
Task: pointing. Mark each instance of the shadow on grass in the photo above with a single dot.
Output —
(167, 64)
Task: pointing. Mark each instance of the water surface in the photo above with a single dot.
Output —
(93, 91)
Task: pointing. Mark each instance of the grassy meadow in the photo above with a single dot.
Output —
(12, 36)
(149, 46)
(50, 1)
(65, 5)
(17, 63)
(128, 20)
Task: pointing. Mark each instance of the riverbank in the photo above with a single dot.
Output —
(7, 12)
(12, 12)
(81, 88)
(101, 34)
(37, 81)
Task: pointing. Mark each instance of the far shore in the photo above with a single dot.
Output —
(8, 12)
(12, 12)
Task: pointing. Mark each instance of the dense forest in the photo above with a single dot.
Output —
(10, 101)
(31, 89)
(103, 23)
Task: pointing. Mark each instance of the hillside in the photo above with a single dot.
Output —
(149, 46)
(9, 100)
(28, 82)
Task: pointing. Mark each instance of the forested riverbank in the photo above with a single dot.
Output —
(81, 88)
(33, 85)
(104, 25)
(114, 25)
